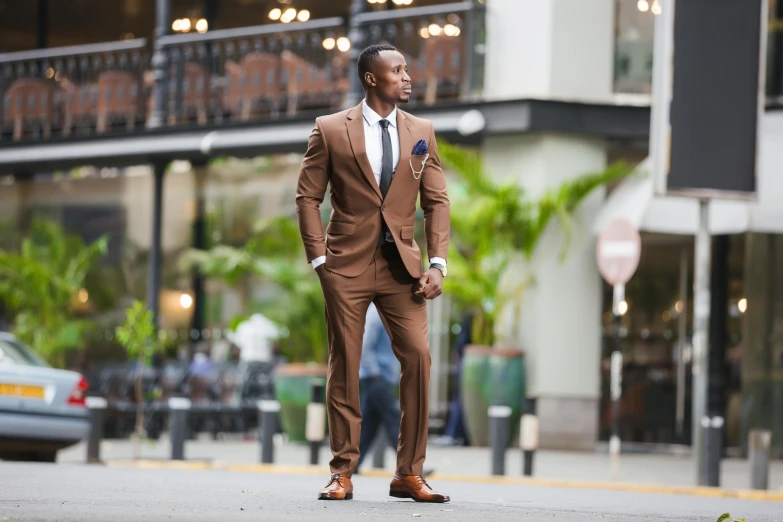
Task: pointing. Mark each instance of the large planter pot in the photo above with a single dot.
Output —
(491, 377)
(509, 386)
(292, 390)
(475, 393)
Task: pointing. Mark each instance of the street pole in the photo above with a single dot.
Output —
(616, 384)
(159, 64)
(701, 323)
(356, 35)
(682, 360)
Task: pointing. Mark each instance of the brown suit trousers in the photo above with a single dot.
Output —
(357, 272)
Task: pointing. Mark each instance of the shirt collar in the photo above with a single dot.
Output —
(372, 117)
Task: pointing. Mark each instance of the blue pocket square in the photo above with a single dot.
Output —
(420, 148)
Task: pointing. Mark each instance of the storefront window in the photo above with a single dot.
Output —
(634, 38)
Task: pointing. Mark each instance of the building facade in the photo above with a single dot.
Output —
(121, 118)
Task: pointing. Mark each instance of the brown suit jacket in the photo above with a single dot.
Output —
(336, 155)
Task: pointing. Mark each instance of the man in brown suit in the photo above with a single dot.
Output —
(366, 154)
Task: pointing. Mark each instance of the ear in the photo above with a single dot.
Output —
(369, 79)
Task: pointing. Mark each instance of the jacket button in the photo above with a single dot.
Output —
(383, 208)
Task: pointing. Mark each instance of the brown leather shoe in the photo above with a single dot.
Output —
(339, 487)
(415, 487)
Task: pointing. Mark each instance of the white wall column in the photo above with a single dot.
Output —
(559, 49)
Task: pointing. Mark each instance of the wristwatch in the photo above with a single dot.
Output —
(440, 267)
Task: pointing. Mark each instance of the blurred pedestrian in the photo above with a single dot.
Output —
(455, 433)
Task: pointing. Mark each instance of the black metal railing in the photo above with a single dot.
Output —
(263, 72)
(75, 90)
(259, 73)
(443, 45)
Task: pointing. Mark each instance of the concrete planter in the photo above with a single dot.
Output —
(491, 376)
(292, 390)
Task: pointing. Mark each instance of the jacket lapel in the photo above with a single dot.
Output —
(406, 139)
(406, 147)
(355, 125)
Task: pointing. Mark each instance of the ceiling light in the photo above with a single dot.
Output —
(329, 44)
(450, 30)
(643, 6)
(424, 32)
(184, 25)
(288, 15)
(343, 44)
(175, 25)
(622, 307)
(656, 7)
(185, 301)
(303, 16)
(434, 29)
(202, 26)
(742, 305)
(275, 14)
(399, 2)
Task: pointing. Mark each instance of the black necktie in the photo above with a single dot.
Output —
(388, 160)
(387, 165)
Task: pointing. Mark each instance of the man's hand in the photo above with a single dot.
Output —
(430, 284)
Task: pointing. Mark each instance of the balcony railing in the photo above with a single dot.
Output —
(71, 91)
(263, 72)
(250, 74)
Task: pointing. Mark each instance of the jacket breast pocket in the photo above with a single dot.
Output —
(339, 228)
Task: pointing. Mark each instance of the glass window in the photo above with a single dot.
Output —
(15, 353)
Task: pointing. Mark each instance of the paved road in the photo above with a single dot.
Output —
(646, 469)
(73, 492)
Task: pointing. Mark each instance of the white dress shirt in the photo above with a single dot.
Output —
(373, 143)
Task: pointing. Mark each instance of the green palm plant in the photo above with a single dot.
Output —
(273, 255)
(40, 285)
(494, 224)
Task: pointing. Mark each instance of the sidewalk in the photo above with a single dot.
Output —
(463, 461)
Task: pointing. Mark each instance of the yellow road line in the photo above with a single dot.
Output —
(741, 494)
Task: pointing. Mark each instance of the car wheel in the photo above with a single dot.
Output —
(47, 456)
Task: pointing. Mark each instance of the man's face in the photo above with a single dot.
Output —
(390, 78)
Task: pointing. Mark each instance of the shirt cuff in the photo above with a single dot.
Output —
(438, 260)
(318, 261)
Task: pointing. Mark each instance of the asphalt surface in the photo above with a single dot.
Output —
(75, 492)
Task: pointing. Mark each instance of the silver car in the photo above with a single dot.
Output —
(42, 409)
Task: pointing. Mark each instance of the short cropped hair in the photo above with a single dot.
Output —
(369, 55)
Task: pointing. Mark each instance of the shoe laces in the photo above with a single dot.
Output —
(336, 478)
(423, 481)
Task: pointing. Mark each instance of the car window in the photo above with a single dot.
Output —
(15, 353)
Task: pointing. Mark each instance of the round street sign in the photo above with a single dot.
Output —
(618, 252)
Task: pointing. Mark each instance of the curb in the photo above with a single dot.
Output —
(699, 491)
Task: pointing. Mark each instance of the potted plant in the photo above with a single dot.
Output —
(139, 338)
(495, 225)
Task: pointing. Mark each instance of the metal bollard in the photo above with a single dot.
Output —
(759, 442)
(269, 411)
(712, 428)
(499, 424)
(315, 425)
(528, 439)
(97, 410)
(379, 451)
(179, 407)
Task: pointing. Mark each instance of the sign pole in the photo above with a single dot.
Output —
(618, 253)
(701, 323)
(616, 384)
